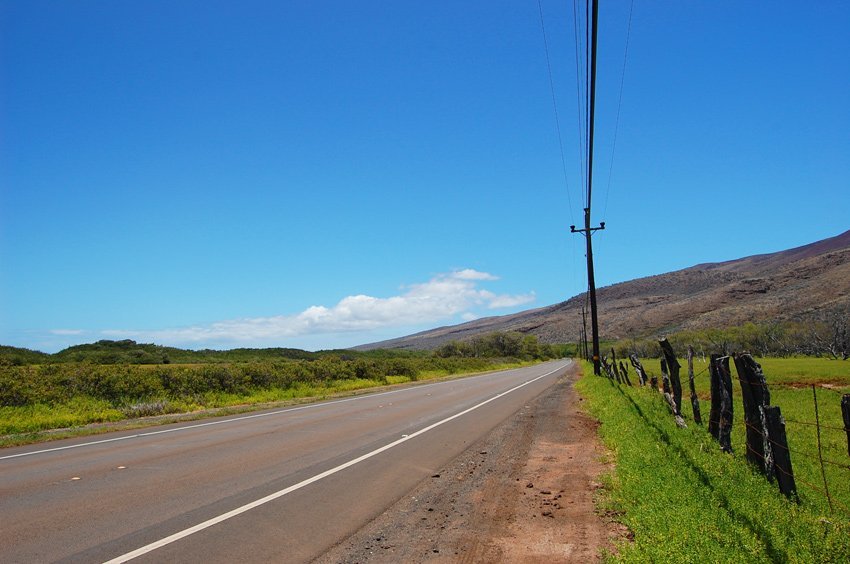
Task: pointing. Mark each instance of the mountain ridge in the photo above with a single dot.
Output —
(807, 282)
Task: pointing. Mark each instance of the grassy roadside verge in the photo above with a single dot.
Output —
(685, 501)
(84, 415)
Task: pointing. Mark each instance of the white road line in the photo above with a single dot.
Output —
(262, 501)
(210, 423)
(221, 422)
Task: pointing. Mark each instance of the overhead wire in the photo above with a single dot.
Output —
(588, 126)
(581, 127)
(555, 107)
(619, 105)
(557, 122)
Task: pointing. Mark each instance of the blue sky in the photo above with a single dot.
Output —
(326, 174)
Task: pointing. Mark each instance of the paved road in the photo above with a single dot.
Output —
(280, 485)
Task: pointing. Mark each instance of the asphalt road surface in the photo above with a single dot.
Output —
(283, 485)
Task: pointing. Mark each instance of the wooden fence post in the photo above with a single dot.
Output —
(776, 450)
(755, 395)
(694, 398)
(621, 371)
(607, 366)
(614, 368)
(726, 414)
(673, 370)
(714, 413)
(820, 449)
(614, 363)
(638, 368)
(624, 368)
(845, 412)
(665, 379)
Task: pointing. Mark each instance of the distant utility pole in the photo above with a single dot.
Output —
(584, 333)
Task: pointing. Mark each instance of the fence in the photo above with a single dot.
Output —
(763, 426)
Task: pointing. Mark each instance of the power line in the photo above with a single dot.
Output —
(619, 104)
(582, 130)
(591, 120)
(588, 125)
(555, 107)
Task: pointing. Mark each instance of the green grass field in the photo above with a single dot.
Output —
(790, 383)
(686, 501)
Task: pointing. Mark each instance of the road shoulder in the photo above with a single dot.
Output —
(524, 493)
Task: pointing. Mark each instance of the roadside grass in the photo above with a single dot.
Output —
(37, 422)
(686, 501)
(789, 381)
(37, 417)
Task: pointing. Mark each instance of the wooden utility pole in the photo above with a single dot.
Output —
(588, 230)
(591, 283)
(584, 326)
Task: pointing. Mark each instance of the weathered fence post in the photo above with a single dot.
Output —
(665, 379)
(714, 412)
(607, 367)
(624, 369)
(755, 394)
(776, 449)
(725, 404)
(845, 412)
(673, 370)
(720, 422)
(820, 450)
(638, 368)
(694, 398)
(614, 368)
(621, 373)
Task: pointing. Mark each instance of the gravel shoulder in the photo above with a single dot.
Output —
(524, 493)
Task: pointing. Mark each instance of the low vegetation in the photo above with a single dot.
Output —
(827, 339)
(685, 500)
(116, 380)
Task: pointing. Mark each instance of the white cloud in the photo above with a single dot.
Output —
(470, 274)
(66, 331)
(511, 301)
(444, 297)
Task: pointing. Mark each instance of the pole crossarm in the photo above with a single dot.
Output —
(587, 230)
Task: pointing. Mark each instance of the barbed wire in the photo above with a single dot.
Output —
(822, 425)
(801, 453)
(809, 456)
(728, 424)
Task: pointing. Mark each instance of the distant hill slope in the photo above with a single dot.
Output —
(131, 352)
(808, 282)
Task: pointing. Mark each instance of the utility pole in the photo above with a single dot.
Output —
(588, 230)
(580, 341)
(591, 282)
(584, 333)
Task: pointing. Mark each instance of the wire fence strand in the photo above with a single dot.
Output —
(814, 458)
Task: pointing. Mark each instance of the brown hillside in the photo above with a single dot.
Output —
(812, 281)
